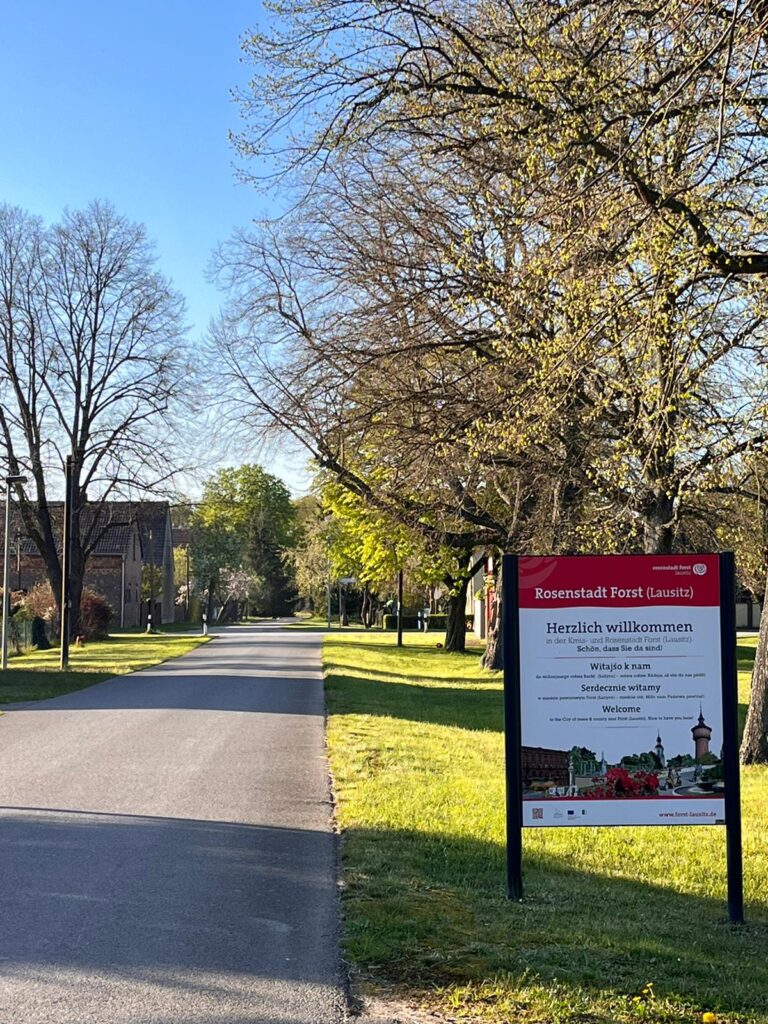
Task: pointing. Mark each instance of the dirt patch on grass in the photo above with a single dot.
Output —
(395, 1011)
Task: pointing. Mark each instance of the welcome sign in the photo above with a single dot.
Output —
(621, 708)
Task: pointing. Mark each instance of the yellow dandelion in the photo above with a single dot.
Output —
(709, 1018)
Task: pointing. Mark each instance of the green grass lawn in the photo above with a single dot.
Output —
(36, 675)
(415, 739)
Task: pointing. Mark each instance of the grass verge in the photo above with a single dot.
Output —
(36, 675)
(618, 925)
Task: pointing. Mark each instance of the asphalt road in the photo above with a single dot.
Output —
(166, 853)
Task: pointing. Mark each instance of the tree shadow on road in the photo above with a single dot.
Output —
(135, 895)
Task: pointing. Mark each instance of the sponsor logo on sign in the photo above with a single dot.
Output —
(537, 813)
(699, 569)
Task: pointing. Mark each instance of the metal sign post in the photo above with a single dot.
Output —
(512, 736)
(731, 771)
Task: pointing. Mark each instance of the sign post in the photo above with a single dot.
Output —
(514, 789)
(620, 697)
(731, 739)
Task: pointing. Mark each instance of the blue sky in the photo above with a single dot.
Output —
(130, 102)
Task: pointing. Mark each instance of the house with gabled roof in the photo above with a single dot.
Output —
(153, 519)
(113, 567)
(127, 536)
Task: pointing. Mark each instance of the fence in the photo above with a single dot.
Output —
(20, 634)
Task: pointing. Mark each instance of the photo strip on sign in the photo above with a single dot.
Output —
(620, 690)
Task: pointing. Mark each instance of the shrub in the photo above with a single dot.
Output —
(40, 602)
(18, 633)
(95, 615)
(411, 622)
(39, 636)
(19, 610)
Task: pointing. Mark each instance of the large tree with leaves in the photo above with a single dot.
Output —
(626, 148)
(255, 509)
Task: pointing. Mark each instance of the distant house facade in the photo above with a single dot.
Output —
(113, 567)
(127, 536)
(153, 519)
(190, 606)
(747, 610)
(481, 595)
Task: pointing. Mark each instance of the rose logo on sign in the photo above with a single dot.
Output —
(699, 569)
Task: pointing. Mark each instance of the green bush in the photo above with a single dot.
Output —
(41, 602)
(95, 615)
(39, 636)
(436, 622)
(390, 622)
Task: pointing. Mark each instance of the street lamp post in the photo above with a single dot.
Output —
(9, 480)
(151, 612)
(400, 607)
(66, 565)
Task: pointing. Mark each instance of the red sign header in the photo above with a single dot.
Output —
(618, 581)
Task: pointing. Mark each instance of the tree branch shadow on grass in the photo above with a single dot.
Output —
(465, 707)
(335, 630)
(405, 677)
(426, 910)
(439, 705)
(431, 646)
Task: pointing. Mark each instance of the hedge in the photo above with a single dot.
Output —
(436, 622)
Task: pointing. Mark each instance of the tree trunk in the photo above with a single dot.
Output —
(366, 607)
(658, 528)
(343, 615)
(75, 596)
(456, 628)
(754, 745)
